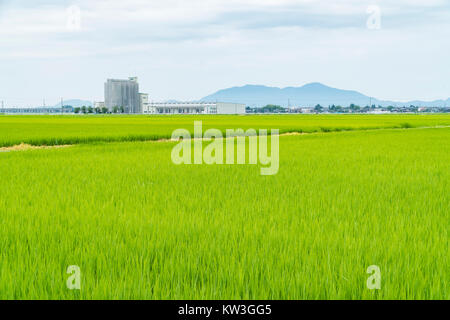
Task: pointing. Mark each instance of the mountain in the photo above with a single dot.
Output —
(75, 103)
(308, 95)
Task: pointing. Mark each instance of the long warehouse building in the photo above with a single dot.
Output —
(193, 108)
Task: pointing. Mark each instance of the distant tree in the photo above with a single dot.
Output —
(115, 109)
(97, 110)
(318, 108)
(122, 109)
(90, 110)
(354, 108)
(272, 108)
(413, 108)
(390, 108)
(77, 110)
(104, 110)
(83, 109)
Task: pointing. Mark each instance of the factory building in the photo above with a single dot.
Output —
(143, 98)
(99, 104)
(193, 108)
(123, 94)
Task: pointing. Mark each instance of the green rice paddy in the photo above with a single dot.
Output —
(51, 130)
(141, 227)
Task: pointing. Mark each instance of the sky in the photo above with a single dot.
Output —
(187, 49)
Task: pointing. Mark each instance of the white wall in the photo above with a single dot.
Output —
(230, 108)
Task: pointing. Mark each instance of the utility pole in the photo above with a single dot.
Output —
(62, 106)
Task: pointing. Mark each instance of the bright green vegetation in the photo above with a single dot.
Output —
(51, 130)
(141, 227)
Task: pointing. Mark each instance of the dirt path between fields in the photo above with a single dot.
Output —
(26, 147)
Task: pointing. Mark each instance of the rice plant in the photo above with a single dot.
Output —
(140, 227)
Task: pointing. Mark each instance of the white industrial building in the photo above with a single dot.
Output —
(99, 104)
(143, 100)
(125, 94)
(193, 108)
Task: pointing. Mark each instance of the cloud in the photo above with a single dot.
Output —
(223, 42)
(103, 15)
(129, 23)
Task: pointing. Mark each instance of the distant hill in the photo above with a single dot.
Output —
(75, 103)
(308, 95)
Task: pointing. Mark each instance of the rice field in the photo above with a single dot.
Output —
(54, 130)
(141, 227)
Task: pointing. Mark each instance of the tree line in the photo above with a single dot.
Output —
(98, 110)
(352, 108)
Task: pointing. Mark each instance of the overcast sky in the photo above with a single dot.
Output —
(187, 49)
